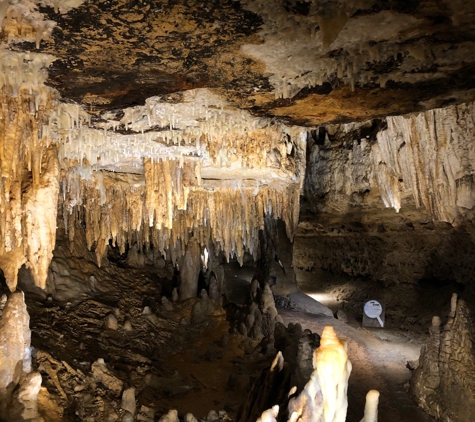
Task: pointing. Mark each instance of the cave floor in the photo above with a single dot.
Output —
(377, 364)
(379, 356)
(190, 368)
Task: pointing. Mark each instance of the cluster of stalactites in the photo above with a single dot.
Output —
(20, 21)
(26, 72)
(170, 206)
(28, 190)
(429, 155)
(202, 125)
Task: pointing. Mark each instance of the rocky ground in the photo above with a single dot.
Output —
(379, 357)
(145, 354)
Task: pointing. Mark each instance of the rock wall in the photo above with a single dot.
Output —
(391, 200)
(386, 247)
(419, 160)
(444, 382)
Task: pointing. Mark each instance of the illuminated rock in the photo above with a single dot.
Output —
(371, 407)
(15, 353)
(324, 397)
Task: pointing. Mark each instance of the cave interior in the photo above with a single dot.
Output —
(200, 202)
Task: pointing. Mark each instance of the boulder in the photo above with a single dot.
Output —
(104, 375)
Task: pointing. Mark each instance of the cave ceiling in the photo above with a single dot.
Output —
(154, 121)
(303, 62)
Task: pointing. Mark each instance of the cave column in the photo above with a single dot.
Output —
(190, 267)
(275, 262)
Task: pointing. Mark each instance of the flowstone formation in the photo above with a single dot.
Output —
(422, 160)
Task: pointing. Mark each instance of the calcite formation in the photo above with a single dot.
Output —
(204, 161)
(258, 317)
(324, 397)
(154, 176)
(430, 156)
(371, 407)
(29, 190)
(443, 383)
(15, 363)
(174, 130)
(162, 210)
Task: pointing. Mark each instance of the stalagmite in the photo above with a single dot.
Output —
(443, 383)
(269, 415)
(333, 369)
(15, 353)
(324, 397)
(189, 271)
(371, 407)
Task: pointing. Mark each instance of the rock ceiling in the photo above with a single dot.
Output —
(305, 62)
(152, 121)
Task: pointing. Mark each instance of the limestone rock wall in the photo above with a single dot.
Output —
(420, 160)
(381, 246)
(391, 200)
(443, 384)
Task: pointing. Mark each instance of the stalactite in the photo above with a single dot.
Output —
(210, 170)
(21, 21)
(39, 219)
(28, 186)
(428, 154)
(167, 205)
